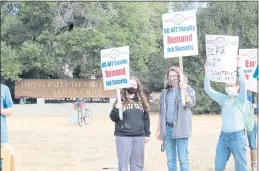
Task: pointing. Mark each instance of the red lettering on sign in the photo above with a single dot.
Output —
(247, 76)
(114, 73)
(250, 64)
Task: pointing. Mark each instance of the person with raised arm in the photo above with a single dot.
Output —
(232, 139)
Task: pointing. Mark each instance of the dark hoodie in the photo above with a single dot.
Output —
(135, 121)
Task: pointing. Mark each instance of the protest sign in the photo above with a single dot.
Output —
(180, 34)
(221, 52)
(249, 63)
(115, 70)
(180, 37)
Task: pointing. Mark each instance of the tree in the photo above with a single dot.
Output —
(37, 44)
(11, 66)
(223, 18)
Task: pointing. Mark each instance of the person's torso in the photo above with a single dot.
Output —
(4, 137)
(133, 123)
(232, 117)
(171, 107)
(183, 128)
(253, 100)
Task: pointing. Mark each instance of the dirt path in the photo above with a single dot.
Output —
(51, 144)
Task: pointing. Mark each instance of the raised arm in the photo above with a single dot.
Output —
(190, 97)
(214, 95)
(189, 93)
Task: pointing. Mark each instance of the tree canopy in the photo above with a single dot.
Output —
(36, 41)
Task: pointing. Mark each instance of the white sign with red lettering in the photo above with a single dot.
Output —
(221, 52)
(180, 34)
(115, 68)
(249, 63)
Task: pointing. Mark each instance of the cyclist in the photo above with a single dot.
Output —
(79, 101)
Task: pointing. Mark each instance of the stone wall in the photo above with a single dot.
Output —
(63, 109)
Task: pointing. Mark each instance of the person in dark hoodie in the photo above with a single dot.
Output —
(134, 130)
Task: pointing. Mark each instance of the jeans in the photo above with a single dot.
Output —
(234, 143)
(173, 147)
(252, 137)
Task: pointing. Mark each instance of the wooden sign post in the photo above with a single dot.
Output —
(182, 79)
(119, 101)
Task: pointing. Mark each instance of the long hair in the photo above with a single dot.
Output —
(175, 69)
(140, 95)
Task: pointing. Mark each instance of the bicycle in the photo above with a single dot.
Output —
(83, 114)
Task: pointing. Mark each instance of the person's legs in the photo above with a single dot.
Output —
(252, 145)
(238, 148)
(137, 156)
(222, 153)
(170, 148)
(124, 151)
(252, 137)
(1, 164)
(182, 149)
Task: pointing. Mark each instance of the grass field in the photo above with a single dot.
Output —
(51, 144)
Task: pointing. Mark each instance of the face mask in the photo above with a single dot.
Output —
(231, 91)
(169, 84)
(131, 90)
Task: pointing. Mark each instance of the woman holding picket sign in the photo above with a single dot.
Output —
(134, 130)
(232, 137)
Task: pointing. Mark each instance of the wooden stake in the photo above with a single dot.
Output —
(181, 78)
(119, 101)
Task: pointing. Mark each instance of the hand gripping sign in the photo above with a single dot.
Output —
(115, 70)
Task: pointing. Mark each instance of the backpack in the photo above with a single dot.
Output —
(248, 114)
